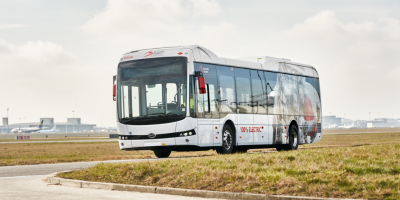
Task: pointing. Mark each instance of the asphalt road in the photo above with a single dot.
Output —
(25, 182)
(44, 169)
(33, 188)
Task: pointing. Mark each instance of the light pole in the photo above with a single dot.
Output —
(73, 122)
(8, 122)
(66, 125)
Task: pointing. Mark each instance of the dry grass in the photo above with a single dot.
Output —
(356, 139)
(369, 172)
(42, 153)
(43, 139)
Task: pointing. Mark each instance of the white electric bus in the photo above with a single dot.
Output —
(186, 98)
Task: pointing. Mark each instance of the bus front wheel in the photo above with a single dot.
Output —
(162, 154)
(228, 140)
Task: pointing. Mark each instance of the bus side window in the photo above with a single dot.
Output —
(243, 90)
(257, 85)
(226, 90)
(291, 92)
(270, 85)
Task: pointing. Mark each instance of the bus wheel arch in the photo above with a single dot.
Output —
(293, 134)
(228, 138)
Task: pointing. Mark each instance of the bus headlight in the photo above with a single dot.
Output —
(190, 133)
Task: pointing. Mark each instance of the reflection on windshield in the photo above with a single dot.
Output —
(152, 91)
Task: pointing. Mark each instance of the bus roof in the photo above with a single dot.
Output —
(196, 53)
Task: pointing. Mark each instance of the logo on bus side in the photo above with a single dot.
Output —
(251, 129)
(128, 57)
(153, 53)
(204, 70)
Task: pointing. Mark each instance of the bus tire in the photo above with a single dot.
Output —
(228, 141)
(162, 154)
(279, 147)
(293, 139)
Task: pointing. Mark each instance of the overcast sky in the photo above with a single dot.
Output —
(59, 56)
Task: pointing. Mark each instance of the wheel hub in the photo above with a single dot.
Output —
(227, 140)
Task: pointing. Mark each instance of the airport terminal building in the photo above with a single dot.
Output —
(72, 125)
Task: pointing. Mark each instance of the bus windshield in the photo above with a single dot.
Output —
(152, 91)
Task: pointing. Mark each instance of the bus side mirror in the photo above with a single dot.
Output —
(114, 92)
(202, 85)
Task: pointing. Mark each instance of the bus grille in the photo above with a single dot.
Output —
(319, 128)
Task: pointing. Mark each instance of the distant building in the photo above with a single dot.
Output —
(331, 121)
(383, 123)
(72, 125)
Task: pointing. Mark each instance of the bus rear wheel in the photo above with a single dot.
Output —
(228, 140)
(162, 154)
(293, 140)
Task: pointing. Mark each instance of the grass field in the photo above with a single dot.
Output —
(41, 153)
(368, 172)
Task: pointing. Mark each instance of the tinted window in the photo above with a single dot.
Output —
(259, 92)
(226, 90)
(291, 93)
(317, 89)
(243, 90)
(306, 98)
(270, 85)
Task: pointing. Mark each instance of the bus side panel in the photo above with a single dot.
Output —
(205, 134)
(185, 125)
(279, 132)
(261, 135)
(244, 131)
(217, 136)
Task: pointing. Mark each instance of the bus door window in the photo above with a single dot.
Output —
(258, 89)
(226, 91)
(192, 96)
(243, 90)
(206, 102)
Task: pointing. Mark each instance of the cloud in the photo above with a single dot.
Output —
(43, 79)
(356, 61)
(35, 53)
(147, 22)
(13, 26)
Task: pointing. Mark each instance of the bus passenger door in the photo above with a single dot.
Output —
(207, 113)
